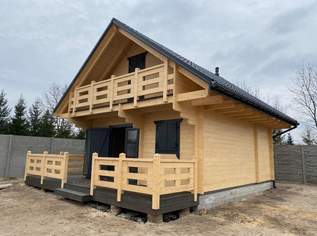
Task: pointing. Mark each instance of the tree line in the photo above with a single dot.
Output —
(37, 119)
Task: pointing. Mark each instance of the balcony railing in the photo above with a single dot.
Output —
(129, 88)
(154, 176)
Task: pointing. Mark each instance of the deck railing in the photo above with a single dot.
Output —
(122, 89)
(47, 165)
(156, 176)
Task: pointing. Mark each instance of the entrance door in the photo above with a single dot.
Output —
(97, 140)
(117, 140)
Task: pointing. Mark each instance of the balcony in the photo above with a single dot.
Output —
(131, 90)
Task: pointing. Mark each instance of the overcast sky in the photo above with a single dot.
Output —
(260, 43)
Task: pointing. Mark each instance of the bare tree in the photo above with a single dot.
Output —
(51, 98)
(304, 90)
(308, 137)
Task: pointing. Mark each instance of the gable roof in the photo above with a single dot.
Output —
(215, 82)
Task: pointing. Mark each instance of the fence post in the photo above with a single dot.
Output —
(26, 164)
(122, 156)
(8, 157)
(156, 182)
(65, 174)
(43, 166)
(92, 177)
(303, 163)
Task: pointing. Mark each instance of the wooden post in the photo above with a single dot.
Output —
(303, 163)
(256, 153)
(165, 81)
(65, 171)
(111, 91)
(136, 82)
(26, 164)
(156, 182)
(43, 166)
(74, 103)
(93, 169)
(272, 170)
(195, 179)
(119, 171)
(91, 96)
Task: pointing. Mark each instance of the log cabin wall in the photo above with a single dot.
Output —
(148, 132)
(232, 155)
(122, 67)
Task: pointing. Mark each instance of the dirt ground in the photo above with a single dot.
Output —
(290, 209)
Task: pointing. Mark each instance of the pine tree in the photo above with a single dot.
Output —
(308, 138)
(46, 128)
(64, 129)
(19, 123)
(4, 113)
(290, 139)
(81, 134)
(35, 118)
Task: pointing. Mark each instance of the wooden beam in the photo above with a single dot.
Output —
(192, 95)
(211, 100)
(141, 44)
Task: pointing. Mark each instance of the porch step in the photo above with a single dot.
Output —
(77, 188)
(73, 195)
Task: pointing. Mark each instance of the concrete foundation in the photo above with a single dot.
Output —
(216, 198)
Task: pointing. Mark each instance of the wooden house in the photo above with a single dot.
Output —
(162, 133)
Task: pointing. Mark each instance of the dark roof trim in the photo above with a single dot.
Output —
(215, 82)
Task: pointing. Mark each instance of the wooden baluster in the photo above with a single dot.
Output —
(156, 182)
(75, 101)
(43, 166)
(111, 91)
(119, 175)
(65, 171)
(91, 95)
(165, 81)
(27, 162)
(135, 87)
(93, 170)
(70, 103)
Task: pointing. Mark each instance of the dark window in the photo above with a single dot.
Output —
(132, 142)
(137, 61)
(167, 137)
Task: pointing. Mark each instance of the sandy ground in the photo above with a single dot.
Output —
(288, 210)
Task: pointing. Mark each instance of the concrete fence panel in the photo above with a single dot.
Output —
(296, 163)
(13, 151)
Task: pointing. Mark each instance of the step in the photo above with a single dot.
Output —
(78, 188)
(73, 195)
